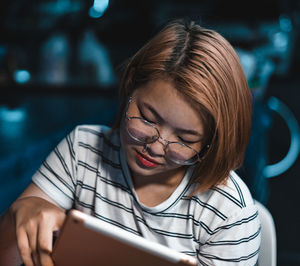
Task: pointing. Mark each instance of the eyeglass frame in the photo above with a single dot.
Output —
(167, 142)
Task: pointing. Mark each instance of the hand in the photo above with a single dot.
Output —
(36, 219)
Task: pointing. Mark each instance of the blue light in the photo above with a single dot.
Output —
(285, 23)
(294, 149)
(22, 76)
(12, 123)
(3, 51)
(12, 115)
(280, 40)
(98, 8)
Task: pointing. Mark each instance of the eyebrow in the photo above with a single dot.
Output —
(185, 131)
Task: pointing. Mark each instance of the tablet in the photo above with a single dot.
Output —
(86, 240)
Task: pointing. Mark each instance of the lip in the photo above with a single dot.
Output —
(146, 161)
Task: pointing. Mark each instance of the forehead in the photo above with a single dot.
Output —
(169, 103)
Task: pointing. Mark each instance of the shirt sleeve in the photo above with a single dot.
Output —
(57, 175)
(234, 242)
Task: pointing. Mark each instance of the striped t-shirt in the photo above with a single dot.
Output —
(88, 171)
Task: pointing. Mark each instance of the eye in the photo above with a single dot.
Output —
(186, 141)
(146, 118)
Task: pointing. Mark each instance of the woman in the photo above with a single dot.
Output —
(166, 169)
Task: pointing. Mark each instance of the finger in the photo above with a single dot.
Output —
(46, 260)
(44, 245)
(32, 239)
(23, 246)
(59, 222)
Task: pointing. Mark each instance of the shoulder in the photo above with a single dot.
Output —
(90, 130)
(233, 234)
(96, 135)
(96, 147)
(231, 200)
(234, 194)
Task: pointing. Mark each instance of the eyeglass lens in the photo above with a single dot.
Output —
(143, 132)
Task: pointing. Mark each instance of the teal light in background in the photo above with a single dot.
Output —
(12, 115)
(285, 23)
(12, 123)
(98, 8)
(59, 7)
(294, 149)
(22, 76)
(3, 51)
(280, 40)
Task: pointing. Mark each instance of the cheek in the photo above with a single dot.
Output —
(128, 145)
(126, 140)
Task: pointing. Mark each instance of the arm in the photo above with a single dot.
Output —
(27, 227)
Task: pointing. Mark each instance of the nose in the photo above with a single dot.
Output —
(157, 148)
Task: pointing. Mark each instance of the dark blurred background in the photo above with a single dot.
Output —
(59, 67)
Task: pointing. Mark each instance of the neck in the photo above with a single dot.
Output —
(153, 190)
(167, 179)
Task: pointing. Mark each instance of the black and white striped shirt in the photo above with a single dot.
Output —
(88, 171)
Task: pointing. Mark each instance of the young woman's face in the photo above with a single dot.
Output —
(159, 103)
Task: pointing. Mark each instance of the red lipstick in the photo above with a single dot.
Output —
(145, 161)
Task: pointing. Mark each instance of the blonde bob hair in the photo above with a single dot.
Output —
(206, 70)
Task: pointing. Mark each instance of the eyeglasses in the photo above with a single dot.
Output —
(144, 132)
